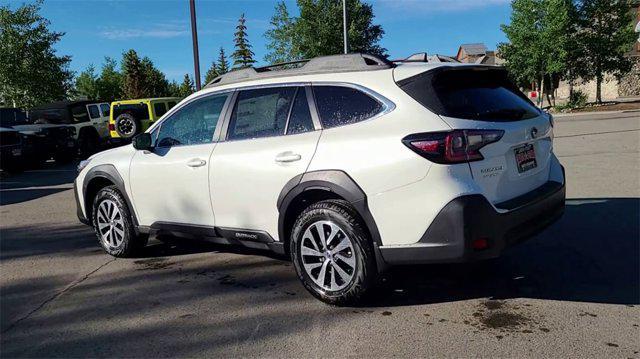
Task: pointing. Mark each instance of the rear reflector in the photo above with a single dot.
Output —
(480, 243)
(455, 146)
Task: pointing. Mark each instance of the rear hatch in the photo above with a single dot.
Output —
(472, 98)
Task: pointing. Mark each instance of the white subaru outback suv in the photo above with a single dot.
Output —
(347, 164)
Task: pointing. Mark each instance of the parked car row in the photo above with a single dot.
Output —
(66, 129)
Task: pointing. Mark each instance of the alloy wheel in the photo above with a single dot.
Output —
(327, 255)
(110, 223)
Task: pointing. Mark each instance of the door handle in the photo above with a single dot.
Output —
(196, 163)
(288, 157)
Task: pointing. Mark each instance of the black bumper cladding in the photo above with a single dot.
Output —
(466, 219)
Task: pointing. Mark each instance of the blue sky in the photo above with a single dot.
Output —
(161, 29)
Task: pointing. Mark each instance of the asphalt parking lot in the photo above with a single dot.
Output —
(573, 291)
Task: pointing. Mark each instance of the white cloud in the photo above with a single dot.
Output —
(436, 6)
(119, 34)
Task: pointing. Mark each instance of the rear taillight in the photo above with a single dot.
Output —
(112, 127)
(452, 146)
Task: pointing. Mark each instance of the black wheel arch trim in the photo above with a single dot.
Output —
(110, 173)
(339, 183)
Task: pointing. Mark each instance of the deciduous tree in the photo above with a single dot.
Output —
(31, 71)
(280, 36)
(86, 83)
(605, 35)
(318, 28)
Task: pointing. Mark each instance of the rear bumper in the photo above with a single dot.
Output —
(463, 220)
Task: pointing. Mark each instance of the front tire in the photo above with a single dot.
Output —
(113, 225)
(332, 253)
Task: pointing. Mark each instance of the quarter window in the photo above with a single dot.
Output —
(94, 112)
(338, 105)
(192, 124)
(260, 113)
(159, 108)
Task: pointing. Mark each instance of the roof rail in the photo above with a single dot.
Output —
(423, 57)
(316, 65)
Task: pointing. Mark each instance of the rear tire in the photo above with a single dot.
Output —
(113, 225)
(337, 267)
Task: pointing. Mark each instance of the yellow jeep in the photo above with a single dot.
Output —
(130, 117)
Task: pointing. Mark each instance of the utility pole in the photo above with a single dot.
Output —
(344, 26)
(194, 38)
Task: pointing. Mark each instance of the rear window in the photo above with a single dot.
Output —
(139, 111)
(485, 95)
(340, 106)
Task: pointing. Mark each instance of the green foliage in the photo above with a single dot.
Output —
(577, 99)
(280, 36)
(109, 84)
(242, 56)
(156, 83)
(86, 83)
(186, 88)
(134, 85)
(317, 29)
(31, 72)
(538, 39)
(212, 73)
(141, 79)
(223, 63)
(605, 34)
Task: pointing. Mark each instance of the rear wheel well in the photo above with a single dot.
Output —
(93, 187)
(297, 205)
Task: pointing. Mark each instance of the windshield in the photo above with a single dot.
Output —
(474, 94)
(55, 116)
(12, 117)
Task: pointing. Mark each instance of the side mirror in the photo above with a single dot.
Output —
(142, 142)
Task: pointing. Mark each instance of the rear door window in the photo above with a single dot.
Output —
(475, 94)
(338, 105)
(106, 109)
(260, 113)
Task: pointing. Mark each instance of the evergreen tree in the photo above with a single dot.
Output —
(186, 87)
(156, 83)
(86, 84)
(212, 73)
(134, 84)
(606, 34)
(318, 29)
(280, 36)
(242, 56)
(31, 72)
(109, 84)
(223, 63)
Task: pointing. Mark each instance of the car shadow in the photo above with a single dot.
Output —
(590, 255)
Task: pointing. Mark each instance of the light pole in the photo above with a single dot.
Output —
(194, 38)
(344, 26)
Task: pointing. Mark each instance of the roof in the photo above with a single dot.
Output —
(62, 104)
(474, 49)
(140, 100)
(324, 64)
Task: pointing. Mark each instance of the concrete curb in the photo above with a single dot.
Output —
(558, 115)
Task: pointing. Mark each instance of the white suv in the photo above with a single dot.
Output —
(347, 164)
